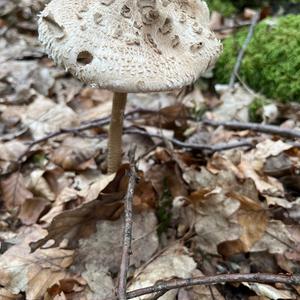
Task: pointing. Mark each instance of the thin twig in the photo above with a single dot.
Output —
(127, 233)
(242, 51)
(216, 279)
(200, 147)
(269, 129)
(62, 131)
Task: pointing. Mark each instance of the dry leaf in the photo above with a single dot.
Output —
(253, 219)
(74, 153)
(270, 292)
(214, 219)
(14, 191)
(39, 186)
(173, 263)
(234, 105)
(7, 295)
(31, 210)
(277, 239)
(33, 273)
(44, 117)
(80, 222)
(101, 253)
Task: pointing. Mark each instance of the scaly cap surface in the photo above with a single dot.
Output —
(130, 45)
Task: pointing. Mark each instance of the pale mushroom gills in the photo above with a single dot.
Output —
(130, 45)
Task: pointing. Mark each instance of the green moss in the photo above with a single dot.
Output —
(255, 109)
(229, 7)
(163, 212)
(225, 7)
(271, 64)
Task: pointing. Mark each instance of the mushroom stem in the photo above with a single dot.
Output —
(115, 132)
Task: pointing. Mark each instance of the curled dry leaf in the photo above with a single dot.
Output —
(14, 191)
(80, 222)
(68, 288)
(33, 273)
(265, 184)
(39, 186)
(269, 292)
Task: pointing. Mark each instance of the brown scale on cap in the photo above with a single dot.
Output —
(148, 33)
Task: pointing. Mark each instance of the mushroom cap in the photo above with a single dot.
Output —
(130, 45)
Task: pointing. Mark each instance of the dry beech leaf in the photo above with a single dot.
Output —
(102, 252)
(10, 152)
(264, 290)
(264, 184)
(225, 178)
(222, 208)
(266, 149)
(168, 117)
(69, 287)
(253, 219)
(214, 219)
(14, 190)
(66, 195)
(7, 295)
(173, 263)
(167, 175)
(74, 153)
(43, 117)
(39, 186)
(199, 292)
(234, 105)
(144, 196)
(33, 273)
(31, 210)
(277, 239)
(80, 222)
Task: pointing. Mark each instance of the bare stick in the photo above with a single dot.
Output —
(241, 54)
(115, 132)
(200, 147)
(217, 279)
(269, 129)
(127, 234)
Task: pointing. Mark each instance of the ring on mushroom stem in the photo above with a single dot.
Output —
(129, 47)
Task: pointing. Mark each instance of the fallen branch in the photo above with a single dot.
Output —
(200, 147)
(127, 233)
(269, 129)
(242, 51)
(216, 279)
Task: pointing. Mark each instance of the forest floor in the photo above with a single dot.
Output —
(211, 197)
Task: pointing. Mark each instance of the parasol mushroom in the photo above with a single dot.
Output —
(129, 46)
